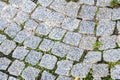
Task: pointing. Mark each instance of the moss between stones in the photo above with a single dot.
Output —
(71, 0)
(96, 46)
(115, 3)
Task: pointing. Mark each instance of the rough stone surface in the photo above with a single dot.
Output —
(118, 40)
(2, 38)
(93, 57)
(3, 23)
(45, 3)
(12, 78)
(16, 68)
(33, 57)
(64, 78)
(7, 46)
(48, 61)
(87, 27)
(75, 53)
(87, 12)
(46, 45)
(118, 26)
(64, 67)
(32, 42)
(116, 15)
(20, 53)
(70, 24)
(60, 49)
(89, 2)
(115, 72)
(3, 76)
(4, 63)
(47, 76)
(100, 70)
(87, 42)
(72, 38)
(80, 70)
(111, 55)
(103, 2)
(57, 33)
(105, 27)
(30, 73)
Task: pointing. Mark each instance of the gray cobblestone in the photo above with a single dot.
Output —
(72, 38)
(93, 57)
(105, 27)
(64, 67)
(70, 24)
(116, 15)
(103, 2)
(46, 45)
(60, 49)
(64, 78)
(4, 63)
(89, 2)
(80, 70)
(7, 46)
(16, 3)
(12, 78)
(2, 38)
(87, 42)
(48, 61)
(100, 70)
(45, 3)
(111, 55)
(75, 53)
(32, 42)
(33, 57)
(3, 76)
(118, 26)
(57, 33)
(16, 68)
(115, 72)
(47, 76)
(4, 22)
(118, 40)
(30, 73)
(87, 27)
(87, 12)
(20, 53)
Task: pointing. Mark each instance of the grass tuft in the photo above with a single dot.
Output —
(96, 46)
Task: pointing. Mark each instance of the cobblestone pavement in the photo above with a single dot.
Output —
(59, 40)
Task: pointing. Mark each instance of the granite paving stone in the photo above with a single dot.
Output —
(115, 72)
(89, 2)
(103, 3)
(116, 15)
(45, 3)
(12, 78)
(16, 3)
(3, 76)
(118, 26)
(2, 38)
(16, 68)
(3, 23)
(63, 78)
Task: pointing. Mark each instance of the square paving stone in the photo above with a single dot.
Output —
(71, 9)
(116, 14)
(12, 30)
(92, 57)
(3, 76)
(28, 6)
(100, 70)
(21, 36)
(107, 42)
(30, 73)
(87, 42)
(16, 68)
(43, 29)
(12, 78)
(9, 11)
(21, 17)
(55, 18)
(63, 78)
(115, 72)
(103, 3)
(48, 61)
(64, 67)
(32, 41)
(33, 57)
(16, 3)
(111, 55)
(87, 27)
(45, 3)
(41, 14)
(7, 46)
(2, 38)
(3, 23)
(75, 53)
(72, 38)
(70, 24)
(58, 5)
(118, 26)
(47, 76)
(89, 2)
(30, 25)
(4, 63)
(104, 13)
(46, 45)
(87, 12)
(80, 70)
(20, 53)
(57, 33)
(60, 49)
(105, 27)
